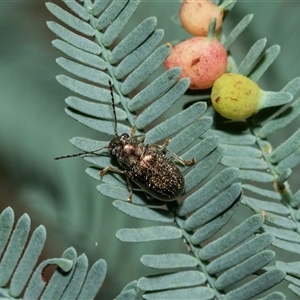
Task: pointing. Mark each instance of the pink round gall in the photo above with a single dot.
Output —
(202, 59)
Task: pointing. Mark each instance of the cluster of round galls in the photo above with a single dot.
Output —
(203, 60)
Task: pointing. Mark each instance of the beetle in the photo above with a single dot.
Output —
(146, 165)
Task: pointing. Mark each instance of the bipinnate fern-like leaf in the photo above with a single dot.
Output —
(236, 261)
(239, 263)
(292, 269)
(136, 57)
(280, 217)
(250, 150)
(19, 274)
(253, 154)
(130, 291)
(242, 261)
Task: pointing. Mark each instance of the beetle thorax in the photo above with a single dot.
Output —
(127, 151)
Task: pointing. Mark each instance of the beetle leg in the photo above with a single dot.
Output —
(164, 150)
(141, 136)
(149, 197)
(132, 132)
(110, 168)
(129, 188)
(182, 161)
(163, 147)
(116, 170)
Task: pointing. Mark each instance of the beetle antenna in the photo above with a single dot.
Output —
(79, 154)
(94, 151)
(113, 106)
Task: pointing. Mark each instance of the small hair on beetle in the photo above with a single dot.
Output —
(115, 129)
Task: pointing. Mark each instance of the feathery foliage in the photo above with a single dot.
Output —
(236, 263)
(20, 275)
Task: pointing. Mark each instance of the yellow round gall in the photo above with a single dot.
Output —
(235, 96)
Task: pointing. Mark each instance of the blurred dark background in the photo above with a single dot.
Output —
(34, 128)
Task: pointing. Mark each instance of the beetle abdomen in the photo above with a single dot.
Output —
(157, 175)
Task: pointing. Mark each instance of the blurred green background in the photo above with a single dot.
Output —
(34, 129)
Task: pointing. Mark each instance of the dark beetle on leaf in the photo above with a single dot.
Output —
(145, 165)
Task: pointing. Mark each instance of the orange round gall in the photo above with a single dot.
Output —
(195, 16)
